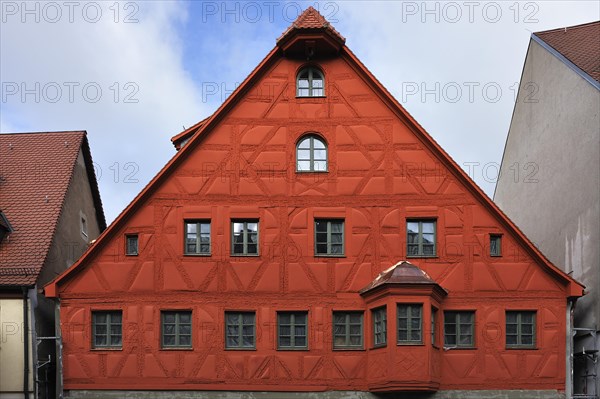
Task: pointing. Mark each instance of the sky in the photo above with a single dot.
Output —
(135, 73)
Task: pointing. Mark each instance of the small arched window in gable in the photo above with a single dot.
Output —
(310, 83)
(311, 154)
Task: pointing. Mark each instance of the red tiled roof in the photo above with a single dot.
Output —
(580, 44)
(311, 19)
(35, 172)
(180, 138)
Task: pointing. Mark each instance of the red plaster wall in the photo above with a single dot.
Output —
(380, 173)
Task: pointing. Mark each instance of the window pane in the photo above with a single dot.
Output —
(412, 227)
(185, 317)
(355, 317)
(337, 249)
(321, 248)
(168, 340)
(300, 341)
(428, 227)
(305, 143)
(320, 166)
(304, 155)
(318, 144)
(285, 341)
(321, 226)
(191, 228)
(100, 317)
(303, 83)
(100, 340)
(320, 154)
(205, 228)
(233, 341)
(169, 317)
(304, 165)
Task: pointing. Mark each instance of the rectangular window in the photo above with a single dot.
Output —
(495, 245)
(84, 229)
(520, 329)
(131, 244)
(329, 237)
(347, 330)
(434, 326)
(176, 329)
(107, 329)
(240, 331)
(292, 330)
(459, 329)
(409, 324)
(244, 237)
(379, 326)
(197, 237)
(420, 237)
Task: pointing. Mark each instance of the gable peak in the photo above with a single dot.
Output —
(310, 35)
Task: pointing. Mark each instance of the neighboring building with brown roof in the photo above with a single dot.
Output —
(549, 180)
(50, 210)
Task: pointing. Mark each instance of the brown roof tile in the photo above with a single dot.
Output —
(580, 44)
(35, 172)
(311, 19)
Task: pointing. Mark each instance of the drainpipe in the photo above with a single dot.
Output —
(570, 337)
(25, 344)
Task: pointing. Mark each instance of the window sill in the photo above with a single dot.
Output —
(521, 348)
(131, 254)
(240, 349)
(312, 171)
(245, 255)
(460, 348)
(107, 349)
(201, 255)
(309, 97)
(329, 256)
(422, 256)
(348, 349)
(176, 349)
(293, 349)
(409, 343)
(379, 346)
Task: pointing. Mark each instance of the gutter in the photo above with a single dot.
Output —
(25, 333)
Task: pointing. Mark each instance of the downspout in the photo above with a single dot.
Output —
(570, 336)
(25, 333)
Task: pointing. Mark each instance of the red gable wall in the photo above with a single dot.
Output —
(380, 174)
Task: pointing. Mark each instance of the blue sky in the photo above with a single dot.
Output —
(134, 73)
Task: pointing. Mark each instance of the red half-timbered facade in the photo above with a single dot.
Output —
(311, 236)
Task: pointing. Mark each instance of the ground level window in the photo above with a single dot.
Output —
(520, 329)
(107, 330)
(410, 324)
(240, 331)
(379, 326)
(292, 330)
(347, 330)
(176, 329)
(459, 329)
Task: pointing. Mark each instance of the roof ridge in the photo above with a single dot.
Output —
(579, 26)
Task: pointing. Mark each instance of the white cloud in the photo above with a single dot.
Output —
(147, 96)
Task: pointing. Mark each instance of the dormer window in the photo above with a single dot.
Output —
(310, 83)
(311, 154)
(5, 227)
